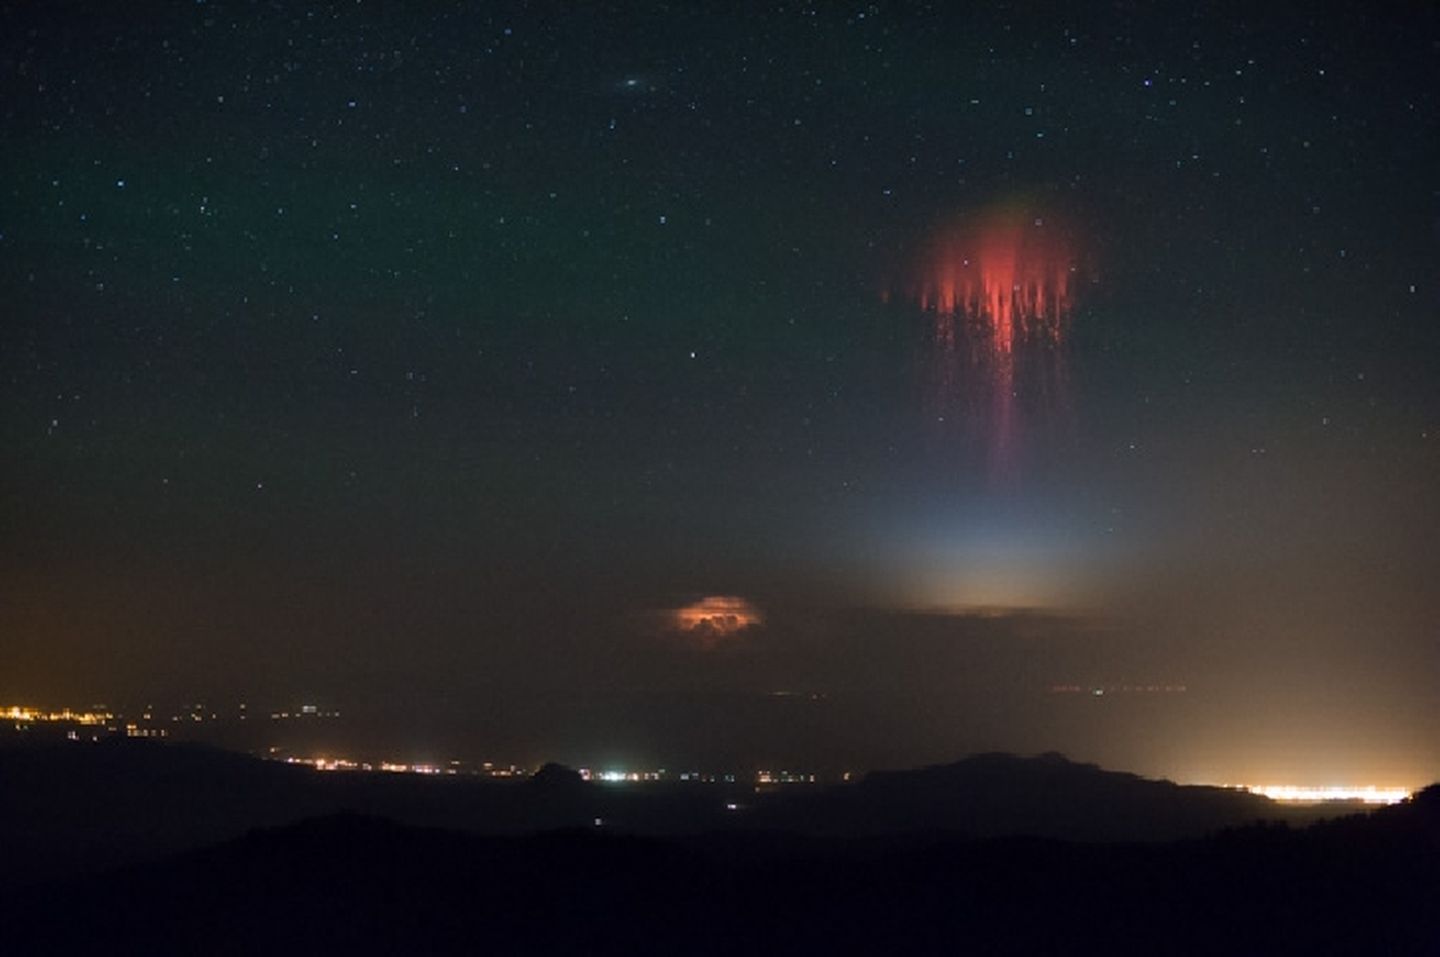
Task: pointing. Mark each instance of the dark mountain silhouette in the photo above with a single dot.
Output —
(355, 884)
(142, 848)
(993, 795)
(557, 777)
(68, 808)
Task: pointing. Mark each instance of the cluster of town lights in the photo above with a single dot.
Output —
(487, 769)
(22, 716)
(35, 715)
(1306, 795)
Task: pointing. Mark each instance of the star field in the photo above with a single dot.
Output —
(392, 354)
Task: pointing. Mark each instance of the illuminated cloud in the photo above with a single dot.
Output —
(715, 618)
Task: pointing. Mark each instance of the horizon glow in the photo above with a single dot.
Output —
(1295, 794)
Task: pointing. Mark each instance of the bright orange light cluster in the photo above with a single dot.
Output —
(1308, 795)
(34, 715)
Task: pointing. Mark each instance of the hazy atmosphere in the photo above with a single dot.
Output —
(830, 385)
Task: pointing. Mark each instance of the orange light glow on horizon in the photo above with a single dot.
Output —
(21, 713)
(1292, 794)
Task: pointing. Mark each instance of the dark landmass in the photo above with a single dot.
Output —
(353, 884)
(957, 858)
(72, 807)
(997, 795)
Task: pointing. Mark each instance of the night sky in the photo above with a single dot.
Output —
(425, 364)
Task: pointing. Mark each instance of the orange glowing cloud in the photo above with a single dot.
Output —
(715, 618)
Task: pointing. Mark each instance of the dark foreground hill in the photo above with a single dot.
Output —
(997, 795)
(352, 884)
(72, 808)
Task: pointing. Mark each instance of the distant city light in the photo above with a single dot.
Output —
(1310, 795)
(100, 722)
(784, 777)
(24, 715)
(1099, 691)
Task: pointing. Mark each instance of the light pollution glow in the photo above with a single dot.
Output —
(936, 555)
(25, 715)
(1307, 795)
